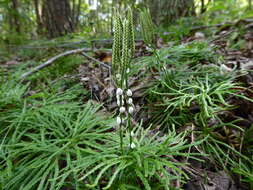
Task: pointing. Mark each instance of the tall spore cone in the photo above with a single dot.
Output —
(123, 47)
(125, 52)
(131, 32)
(117, 45)
(147, 27)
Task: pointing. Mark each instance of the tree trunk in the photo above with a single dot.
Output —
(38, 12)
(166, 11)
(76, 9)
(57, 18)
(15, 22)
(202, 10)
(250, 4)
(154, 10)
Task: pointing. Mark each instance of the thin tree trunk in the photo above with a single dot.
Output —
(78, 11)
(97, 18)
(154, 10)
(250, 4)
(73, 9)
(202, 10)
(75, 13)
(15, 16)
(38, 16)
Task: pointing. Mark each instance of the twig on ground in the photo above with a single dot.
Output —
(93, 59)
(249, 20)
(65, 44)
(51, 60)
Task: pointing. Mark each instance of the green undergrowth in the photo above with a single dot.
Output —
(184, 55)
(225, 13)
(53, 137)
(61, 67)
(39, 48)
(222, 12)
(193, 91)
(50, 139)
(180, 29)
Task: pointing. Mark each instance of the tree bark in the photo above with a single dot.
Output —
(15, 22)
(76, 9)
(250, 4)
(154, 10)
(57, 17)
(166, 11)
(38, 16)
(202, 10)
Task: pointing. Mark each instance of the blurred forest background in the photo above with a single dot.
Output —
(22, 20)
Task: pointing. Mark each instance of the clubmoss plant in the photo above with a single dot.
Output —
(123, 51)
(196, 94)
(145, 160)
(150, 163)
(46, 144)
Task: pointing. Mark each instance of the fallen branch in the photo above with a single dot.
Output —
(93, 59)
(245, 21)
(66, 44)
(195, 28)
(51, 60)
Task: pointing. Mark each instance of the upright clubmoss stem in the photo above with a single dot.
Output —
(121, 127)
(123, 51)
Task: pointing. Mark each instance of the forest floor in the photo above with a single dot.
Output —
(206, 90)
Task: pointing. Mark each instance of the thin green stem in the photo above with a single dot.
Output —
(121, 128)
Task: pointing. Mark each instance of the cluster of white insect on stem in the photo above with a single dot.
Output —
(126, 110)
(125, 103)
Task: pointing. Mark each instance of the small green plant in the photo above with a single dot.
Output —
(47, 143)
(177, 92)
(11, 94)
(183, 56)
(149, 165)
(192, 93)
(180, 29)
(245, 169)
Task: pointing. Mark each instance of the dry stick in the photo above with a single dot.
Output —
(247, 21)
(93, 59)
(66, 44)
(100, 62)
(50, 61)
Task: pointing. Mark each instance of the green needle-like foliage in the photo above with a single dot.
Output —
(190, 92)
(49, 144)
(10, 94)
(177, 92)
(150, 162)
